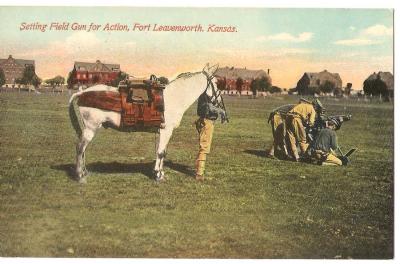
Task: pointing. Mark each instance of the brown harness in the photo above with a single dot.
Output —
(141, 106)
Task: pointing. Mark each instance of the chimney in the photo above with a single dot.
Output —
(268, 72)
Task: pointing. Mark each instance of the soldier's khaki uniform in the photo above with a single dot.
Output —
(205, 127)
(278, 132)
(301, 114)
(326, 158)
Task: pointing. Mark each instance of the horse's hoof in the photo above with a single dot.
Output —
(82, 180)
(85, 173)
(159, 176)
(158, 180)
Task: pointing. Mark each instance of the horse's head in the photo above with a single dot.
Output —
(211, 80)
(212, 89)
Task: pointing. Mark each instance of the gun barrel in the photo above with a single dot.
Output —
(341, 118)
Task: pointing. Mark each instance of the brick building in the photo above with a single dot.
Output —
(14, 68)
(311, 80)
(86, 73)
(230, 75)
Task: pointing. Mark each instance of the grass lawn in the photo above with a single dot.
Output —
(248, 207)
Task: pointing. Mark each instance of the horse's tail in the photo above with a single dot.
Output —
(75, 115)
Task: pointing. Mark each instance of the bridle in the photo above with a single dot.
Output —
(216, 94)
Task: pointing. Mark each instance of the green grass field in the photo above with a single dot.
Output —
(248, 207)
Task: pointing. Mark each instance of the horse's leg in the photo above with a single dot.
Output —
(165, 135)
(87, 136)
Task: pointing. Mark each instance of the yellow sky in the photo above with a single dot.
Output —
(289, 42)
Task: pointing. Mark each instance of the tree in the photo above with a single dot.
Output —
(49, 81)
(327, 87)
(221, 83)
(275, 89)
(239, 84)
(36, 81)
(2, 77)
(163, 80)
(338, 91)
(375, 87)
(58, 80)
(347, 90)
(120, 77)
(313, 90)
(71, 79)
(29, 77)
(29, 74)
(254, 87)
(263, 84)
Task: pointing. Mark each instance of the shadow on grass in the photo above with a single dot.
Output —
(256, 152)
(145, 168)
(187, 170)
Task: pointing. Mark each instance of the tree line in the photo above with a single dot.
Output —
(262, 84)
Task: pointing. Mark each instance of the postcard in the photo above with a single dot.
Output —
(196, 132)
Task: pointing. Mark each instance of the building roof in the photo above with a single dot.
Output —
(234, 73)
(323, 75)
(386, 77)
(98, 66)
(19, 61)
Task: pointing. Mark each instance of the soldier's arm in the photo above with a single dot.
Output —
(215, 109)
(312, 117)
(334, 144)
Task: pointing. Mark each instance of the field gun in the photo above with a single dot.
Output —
(321, 122)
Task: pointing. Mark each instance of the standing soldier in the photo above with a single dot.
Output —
(207, 113)
(301, 115)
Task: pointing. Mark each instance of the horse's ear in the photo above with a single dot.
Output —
(205, 69)
(211, 70)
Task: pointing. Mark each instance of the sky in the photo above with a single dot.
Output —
(289, 42)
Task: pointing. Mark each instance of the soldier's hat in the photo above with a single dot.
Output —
(317, 104)
(336, 122)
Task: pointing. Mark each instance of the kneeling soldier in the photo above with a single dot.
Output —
(207, 113)
(322, 149)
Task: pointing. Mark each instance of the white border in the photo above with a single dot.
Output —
(213, 3)
(236, 3)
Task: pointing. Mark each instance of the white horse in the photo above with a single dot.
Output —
(179, 95)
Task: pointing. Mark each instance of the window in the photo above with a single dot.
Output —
(78, 76)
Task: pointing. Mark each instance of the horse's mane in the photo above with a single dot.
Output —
(184, 75)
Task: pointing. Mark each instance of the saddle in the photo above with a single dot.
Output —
(140, 102)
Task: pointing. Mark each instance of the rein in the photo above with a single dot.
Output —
(215, 95)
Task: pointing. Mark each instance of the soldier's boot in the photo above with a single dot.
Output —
(200, 168)
(296, 157)
(270, 152)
